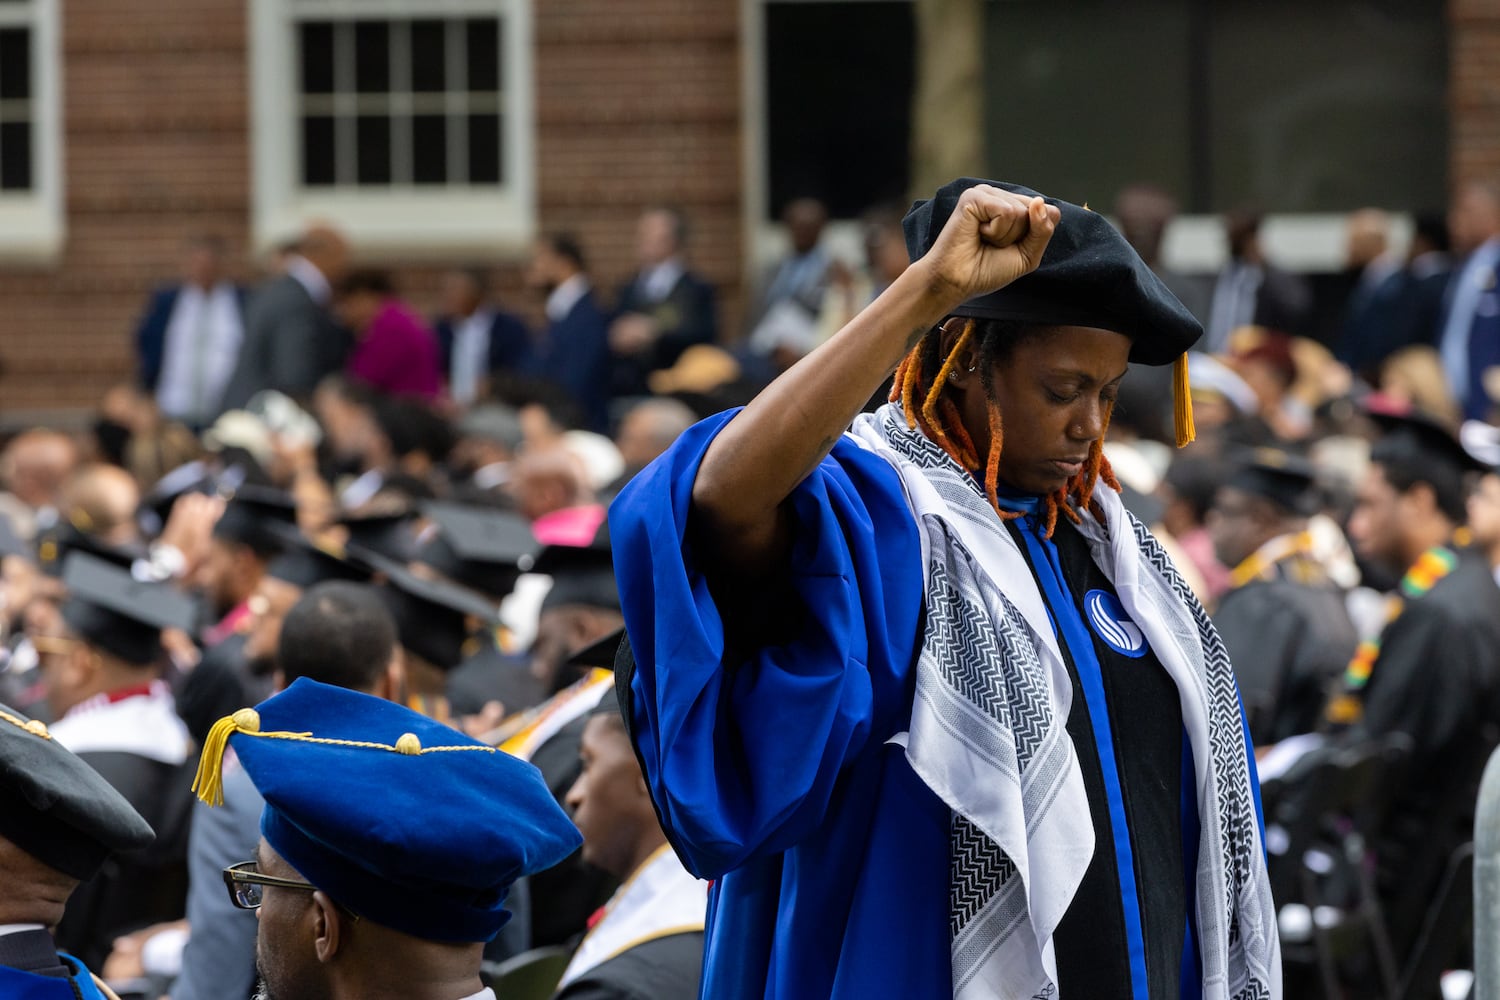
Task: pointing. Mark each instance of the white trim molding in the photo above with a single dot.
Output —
(400, 219)
(32, 223)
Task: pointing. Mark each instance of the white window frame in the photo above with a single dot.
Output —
(32, 224)
(400, 220)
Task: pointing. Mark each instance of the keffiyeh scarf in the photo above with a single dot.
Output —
(988, 735)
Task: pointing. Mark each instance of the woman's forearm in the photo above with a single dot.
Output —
(779, 438)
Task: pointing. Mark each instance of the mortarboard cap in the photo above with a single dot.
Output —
(1088, 276)
(479, 547)
(407, 822)
(54, 545)
(110, 609)
(581, 574)
(1287, 480)
(56, 807)
(250, 514)
(1401, 423)
(388, 535)
(305, 563)
(431, 615)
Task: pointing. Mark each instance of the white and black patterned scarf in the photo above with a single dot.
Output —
(988, 735)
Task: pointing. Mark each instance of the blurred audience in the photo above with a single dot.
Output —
(664, 309)
(394, 352)
(188, 339)
(475, 337)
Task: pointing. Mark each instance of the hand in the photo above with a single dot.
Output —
(190, 526)
(992, 238)
(632, 333)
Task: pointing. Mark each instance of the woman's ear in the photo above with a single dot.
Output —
(951, 330)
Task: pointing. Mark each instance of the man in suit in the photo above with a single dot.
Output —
(291, 341)
(1251, 291)
(475, 339)
(664, 309)
(189, 338)
(574, 352)
(59, 823)
(1470, 340)
(1387, 313)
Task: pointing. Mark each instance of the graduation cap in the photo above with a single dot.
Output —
(482, 548)
(250, 515)
(54, 545)
(110, 609)
(305, 563)
(1405, 427)
(1089, 276)
(407, 822)
(387, 535)
(1287, 480)
(431, 615)
(581, 574)
(56, 807)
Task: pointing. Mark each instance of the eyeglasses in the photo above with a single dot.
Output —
(246, 884)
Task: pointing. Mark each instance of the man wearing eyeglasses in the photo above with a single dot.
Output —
(59, 822)
(388, 844)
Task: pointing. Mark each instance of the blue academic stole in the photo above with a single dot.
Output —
(18, 985)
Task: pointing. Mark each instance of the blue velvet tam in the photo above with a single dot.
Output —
(401, 819)
(1089, 276)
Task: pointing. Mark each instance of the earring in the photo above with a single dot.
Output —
(953, 376)
(973, 368)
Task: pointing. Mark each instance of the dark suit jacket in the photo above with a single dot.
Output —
(1484, 348)
(510, 344)
(1283, 302)
(151, 333)
(575, 356)
(687, 316)
(290, 344)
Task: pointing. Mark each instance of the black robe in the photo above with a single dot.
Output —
(1288, 640)
(668, 968)
(142, 887)
(1436, 680)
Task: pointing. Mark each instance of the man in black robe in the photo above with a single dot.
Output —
(101, 665)
(59, 824)
(1432, 673)
(1283, 620)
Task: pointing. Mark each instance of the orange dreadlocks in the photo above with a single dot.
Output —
(918, 386)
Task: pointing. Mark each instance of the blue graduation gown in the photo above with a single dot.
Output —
(769, 763)
(18, 985)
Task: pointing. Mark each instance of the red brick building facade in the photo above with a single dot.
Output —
(636, 103)
(631, 102)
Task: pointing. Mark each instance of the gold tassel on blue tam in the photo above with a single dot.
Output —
(400, 819)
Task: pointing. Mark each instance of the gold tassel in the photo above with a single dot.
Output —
(208, 783)
(1182, 402)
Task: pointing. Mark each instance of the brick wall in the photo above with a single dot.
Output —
(637, 102)
(1474, 90)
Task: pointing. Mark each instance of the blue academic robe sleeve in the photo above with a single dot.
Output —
(744, 752)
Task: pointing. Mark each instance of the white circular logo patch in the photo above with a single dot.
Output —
(1112, 624)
